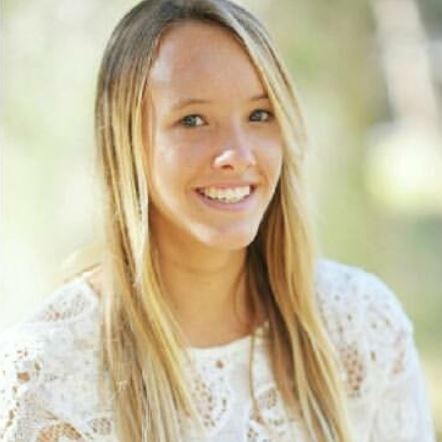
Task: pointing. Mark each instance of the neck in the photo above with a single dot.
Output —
(207, 291)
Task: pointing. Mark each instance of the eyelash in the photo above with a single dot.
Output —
(187, 117)
(185, 120)
(269, 115)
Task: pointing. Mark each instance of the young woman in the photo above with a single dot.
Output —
(209, 317)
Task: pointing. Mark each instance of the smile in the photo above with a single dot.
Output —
(229, 195)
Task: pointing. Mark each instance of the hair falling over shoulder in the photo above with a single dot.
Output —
(143, 349)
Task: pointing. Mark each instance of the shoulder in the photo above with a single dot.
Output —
(351, 294)
(68, 311)
(67, 320)
(366, 323)
(73, 307)
(51, 356)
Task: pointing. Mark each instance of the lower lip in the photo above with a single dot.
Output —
(239, 206)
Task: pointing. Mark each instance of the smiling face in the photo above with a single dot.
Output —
(214, 145)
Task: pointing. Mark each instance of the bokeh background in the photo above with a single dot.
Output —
(369, 77)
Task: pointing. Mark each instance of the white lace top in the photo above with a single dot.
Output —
(49, 371)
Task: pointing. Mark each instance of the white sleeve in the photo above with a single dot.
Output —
(24, 417)
(19, 380)
(52, 386)
(401, 411)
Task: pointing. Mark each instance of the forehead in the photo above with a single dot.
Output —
(200, 58)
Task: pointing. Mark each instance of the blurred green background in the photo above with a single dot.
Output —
(369, 77)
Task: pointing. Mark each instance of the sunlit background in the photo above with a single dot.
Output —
(369, 77)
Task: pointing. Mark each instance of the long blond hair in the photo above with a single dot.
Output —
(143, 347)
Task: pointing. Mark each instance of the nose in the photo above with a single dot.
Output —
(236, 151)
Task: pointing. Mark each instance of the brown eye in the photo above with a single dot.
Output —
(260, 115)
(192, 121)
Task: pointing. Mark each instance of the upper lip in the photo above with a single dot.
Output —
(229, 185)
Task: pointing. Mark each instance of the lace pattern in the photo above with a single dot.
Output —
(49, 374)
(213, 393)
(51, 387)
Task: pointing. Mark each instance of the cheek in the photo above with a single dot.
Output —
(174, 166)
(167, 173)
(181, 153)
(270, 157)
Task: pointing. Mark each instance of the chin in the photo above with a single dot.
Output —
(235, 240)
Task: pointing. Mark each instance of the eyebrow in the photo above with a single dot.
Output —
(181, 103)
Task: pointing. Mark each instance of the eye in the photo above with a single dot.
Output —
(192, 121)
(260, 115)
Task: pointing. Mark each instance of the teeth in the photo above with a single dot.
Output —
(231, 195)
